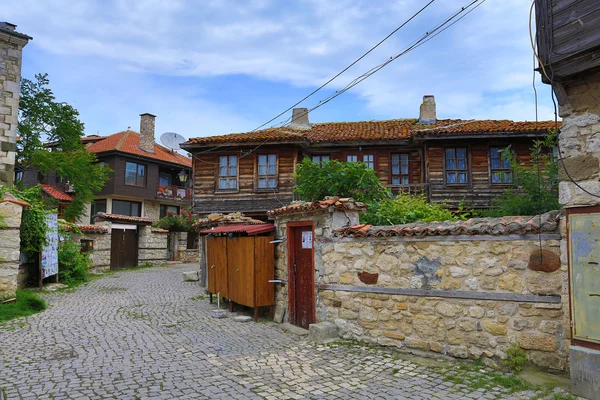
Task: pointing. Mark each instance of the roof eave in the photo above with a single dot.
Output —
(491, 135)
(137, 156)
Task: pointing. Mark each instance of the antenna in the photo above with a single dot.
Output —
(172, 140)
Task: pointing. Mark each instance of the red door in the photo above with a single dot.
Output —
(302, 301)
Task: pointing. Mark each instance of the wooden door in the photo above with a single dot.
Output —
(216, 254)
(584, 260)
(240, 267)
(264, 271)
(123, 248)
(302, 306)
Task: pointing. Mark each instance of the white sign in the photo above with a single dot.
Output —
(50, 251)
(307, 240)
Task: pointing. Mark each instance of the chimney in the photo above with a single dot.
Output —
(8, 26)
(300, 119)
(147, 132)
(427, 111)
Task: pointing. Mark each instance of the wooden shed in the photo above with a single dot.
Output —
(241, 264)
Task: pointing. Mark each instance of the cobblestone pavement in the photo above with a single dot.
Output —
(140, 334)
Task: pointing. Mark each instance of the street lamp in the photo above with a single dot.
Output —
(183, 176)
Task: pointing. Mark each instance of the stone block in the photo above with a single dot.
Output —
(242, 318)
(512, 283)
(323, 332)
(190, 276)
(494, 328)
(585, 372)
(394, 335)
(414, 343)
(543, 283)
(534, 341)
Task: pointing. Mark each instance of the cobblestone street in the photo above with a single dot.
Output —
(146, 334)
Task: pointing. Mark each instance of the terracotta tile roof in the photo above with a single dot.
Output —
(373, 131)
(229, 219)
(92, 228)
(129, 142)
(334, 201)
(159, 230)
(243, 230)
(10, 198)
(123, 218)
(56, 193)
(475, 226)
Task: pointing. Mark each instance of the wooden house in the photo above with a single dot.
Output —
(447, 160)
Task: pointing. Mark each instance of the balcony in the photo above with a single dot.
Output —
(411, 188)
(173, 192)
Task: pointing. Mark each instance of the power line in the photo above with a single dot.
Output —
(347, 68)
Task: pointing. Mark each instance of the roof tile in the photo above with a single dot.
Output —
(56, 193)
(129, 142)
(347, 204)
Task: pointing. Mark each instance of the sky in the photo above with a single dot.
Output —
(219, 66)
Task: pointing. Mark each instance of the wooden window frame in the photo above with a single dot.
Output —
(491, 170)
(139, 203)
(320, 157)
(166, 206)
(410, 167)
(467, 169)
(218, 188)
(360, 156)
(267, 176)
(137, 176)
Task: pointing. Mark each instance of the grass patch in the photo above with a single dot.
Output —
(200, 297)
(28, 303)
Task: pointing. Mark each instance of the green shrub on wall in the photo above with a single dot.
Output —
(184, 222)
(405, 209)
(73, 266)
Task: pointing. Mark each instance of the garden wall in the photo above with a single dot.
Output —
(10, 212)
(100, 252)
(467, 289)
(152, 245)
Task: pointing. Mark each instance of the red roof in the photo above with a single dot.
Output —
(373, 131)
(248, 230)
(123, 218)
(56, 193)
(476, 226)
(334, 201)
(129, 142)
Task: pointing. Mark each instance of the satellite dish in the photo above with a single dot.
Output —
(172, 140)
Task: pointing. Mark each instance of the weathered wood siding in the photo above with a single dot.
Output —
(247, 199)
(568, 36)
(479, 190)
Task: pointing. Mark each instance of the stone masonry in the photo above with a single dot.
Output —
(11, 46)
(495, 267)
(10, 212)
(152, 245)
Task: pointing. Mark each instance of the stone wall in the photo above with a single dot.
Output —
(152, 210)
(10, 243)
(152, 245)
(461, 295)
(11, 46)
(100, 255)
(579, 142)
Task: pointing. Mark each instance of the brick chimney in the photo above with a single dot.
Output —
(427, 111)
(147, 132)
(300, 119)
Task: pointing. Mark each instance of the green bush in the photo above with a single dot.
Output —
(335, 178)
(72, 264)
(28, 303)
(184, 222)
(405, 209)
(535, 190)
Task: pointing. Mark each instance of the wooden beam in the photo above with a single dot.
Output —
(520, 298)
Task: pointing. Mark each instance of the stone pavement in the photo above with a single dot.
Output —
(145, 334)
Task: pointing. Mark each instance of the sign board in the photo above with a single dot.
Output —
(307, 240)
(49, 256)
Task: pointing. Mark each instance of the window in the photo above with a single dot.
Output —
(352, 158)
(267, 171)
(227, 172)
(192, 240)
(166, 209)
(320, 159)
(369, 159)
(135, 174)
(456, 165)
(400, 169)
(500, 166)
(164, 180)
(97, 206)
(130, 208)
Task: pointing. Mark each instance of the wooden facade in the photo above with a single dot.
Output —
(427, 172)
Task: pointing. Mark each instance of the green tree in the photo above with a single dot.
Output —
(335, 178)
(535, 189)
(42, 118)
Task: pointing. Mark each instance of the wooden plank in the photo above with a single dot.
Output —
(217, 265)
(240, 268)
(520, 298)
(264, 267)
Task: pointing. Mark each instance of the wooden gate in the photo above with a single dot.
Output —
(216, 253)
(123, 248)
(302, 277)
(584, 262)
